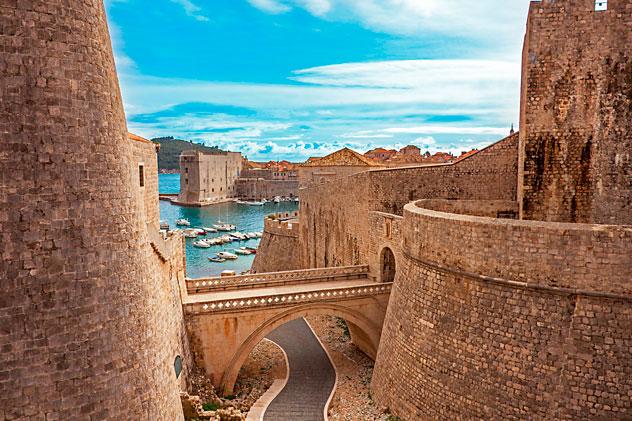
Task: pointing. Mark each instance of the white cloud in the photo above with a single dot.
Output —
(465, 86)
(420, 74)
(482, 18)
(191, 9)
(315, 7)
(441, 129)
(270, 6)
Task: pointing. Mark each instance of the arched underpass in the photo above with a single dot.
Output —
(227, 317)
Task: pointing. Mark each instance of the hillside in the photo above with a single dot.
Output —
(170, 149)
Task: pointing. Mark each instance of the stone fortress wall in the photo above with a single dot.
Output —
(279, 248)
(335, 222)
(493, 316)
(208, 178)
(144, 155)
(504, 319)
(576, 113)
(90, 317)
(259, 188)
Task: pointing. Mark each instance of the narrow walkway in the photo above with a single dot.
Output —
(312, 376)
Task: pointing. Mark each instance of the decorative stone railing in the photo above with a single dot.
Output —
(256, 280)
(290, 298)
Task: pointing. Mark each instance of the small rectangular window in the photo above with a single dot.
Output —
(141, 175)
(601, 5)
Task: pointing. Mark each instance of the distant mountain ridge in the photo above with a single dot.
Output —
(171, 148)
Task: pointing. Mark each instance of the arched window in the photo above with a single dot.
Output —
(387, 265)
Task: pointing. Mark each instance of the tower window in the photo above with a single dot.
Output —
(141, 175)
(601, 5)
(177, 365)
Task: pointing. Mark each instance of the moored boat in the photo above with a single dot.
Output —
(201, 244)
(190, 233)
(227, 255)
(183, 222)
(243, 251)
(217, 259)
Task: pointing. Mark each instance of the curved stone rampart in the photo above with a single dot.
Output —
(577, 256)
(505, 319)
(90, 319)
(278, 249)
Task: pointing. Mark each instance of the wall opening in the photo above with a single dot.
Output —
(141, 175)
(387, 265)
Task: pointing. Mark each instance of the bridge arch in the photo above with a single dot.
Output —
(370, 333)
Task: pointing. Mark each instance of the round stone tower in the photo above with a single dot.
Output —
(78, 336)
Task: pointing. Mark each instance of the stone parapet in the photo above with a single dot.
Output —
(576, 256)
(288, 299)
(507, 319)
(279, 248)
(201, 285)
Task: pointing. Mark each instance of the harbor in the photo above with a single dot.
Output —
(221, 237)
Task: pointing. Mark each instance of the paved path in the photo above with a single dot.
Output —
(311, 375)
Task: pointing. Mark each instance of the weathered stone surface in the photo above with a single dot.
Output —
(279, 248)
(90, 319)
(335, 226)
(576, 113)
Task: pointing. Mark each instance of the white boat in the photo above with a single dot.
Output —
(200, 231)
(277, 199)
(254, 203)
(224, 227)
(227, 255)
(225, 239)
(164, 225)
(203, 244)
(243, 251)
(209, 229)
(183, 222)
(190, 234)
(240, 236)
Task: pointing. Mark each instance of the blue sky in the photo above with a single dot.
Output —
(289, 79)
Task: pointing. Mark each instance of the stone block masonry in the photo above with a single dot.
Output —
(279, 248)
(499, 319)
(90, 317)
(335, 216)
(576, 113)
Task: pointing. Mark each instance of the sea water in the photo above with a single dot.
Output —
(246, 218)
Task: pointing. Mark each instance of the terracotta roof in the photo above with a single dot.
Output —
(343, 158)
(137, 138)
(402, 158)
(466, 154)
(271, 165)
(405, 148)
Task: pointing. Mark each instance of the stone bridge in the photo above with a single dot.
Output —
(226, 317)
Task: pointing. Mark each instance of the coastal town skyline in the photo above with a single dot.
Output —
(306, 78)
